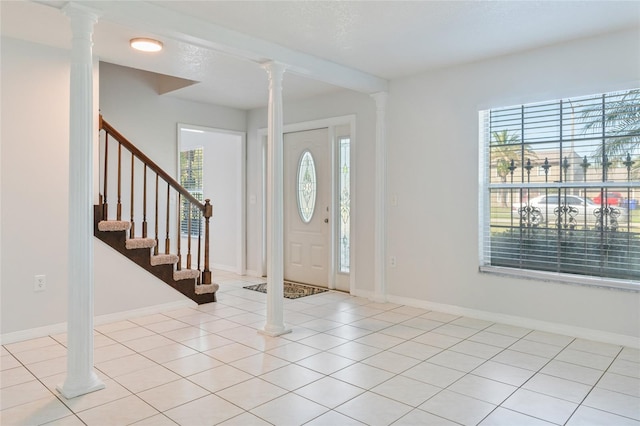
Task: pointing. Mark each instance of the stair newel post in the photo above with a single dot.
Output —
(105, 207)
(189, 235)
(167, 240)
(132, 231)
(155, 249)
(208, 212)
(119, 205)
(144, 203)
(199, 244)
(179, 265)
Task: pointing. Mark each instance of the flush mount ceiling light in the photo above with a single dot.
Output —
(146, 44)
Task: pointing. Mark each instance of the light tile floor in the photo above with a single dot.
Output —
(348, 361)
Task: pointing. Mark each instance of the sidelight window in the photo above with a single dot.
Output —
(344, 182)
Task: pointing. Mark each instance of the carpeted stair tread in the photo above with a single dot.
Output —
(139, 243)
(184, 274)
(113, 225)
(164, 259)
(207, 288)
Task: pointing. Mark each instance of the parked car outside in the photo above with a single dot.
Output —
(612, 199)
(543, 209)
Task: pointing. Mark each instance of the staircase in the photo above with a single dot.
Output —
(183, 219)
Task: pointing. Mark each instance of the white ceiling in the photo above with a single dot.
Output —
(353, 44)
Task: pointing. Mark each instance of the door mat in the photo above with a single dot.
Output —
(291, 290)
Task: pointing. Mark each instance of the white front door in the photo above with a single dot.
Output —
(307, 198)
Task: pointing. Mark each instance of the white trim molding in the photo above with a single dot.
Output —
(516, 321)
(49, 330)
(529, 323)
(380, 236)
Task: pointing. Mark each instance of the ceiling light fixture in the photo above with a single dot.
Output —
(146, 44)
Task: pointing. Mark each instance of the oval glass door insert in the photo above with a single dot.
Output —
(306, 186)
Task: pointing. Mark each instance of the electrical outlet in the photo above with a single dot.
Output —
(39, 283)
(392, 261)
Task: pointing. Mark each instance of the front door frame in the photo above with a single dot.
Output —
(334, 209)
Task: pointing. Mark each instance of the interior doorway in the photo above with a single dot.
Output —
(211, 164)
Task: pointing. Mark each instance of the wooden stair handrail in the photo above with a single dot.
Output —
(104, 125)
(205, 208)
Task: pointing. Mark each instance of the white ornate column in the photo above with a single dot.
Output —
(380, 218)
(81, 377)
(275, 204)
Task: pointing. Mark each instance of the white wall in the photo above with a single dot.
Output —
(433, 171)
(35, 151)
(129, 101)
(35, 171)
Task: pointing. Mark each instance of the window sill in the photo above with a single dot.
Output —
(613, 284)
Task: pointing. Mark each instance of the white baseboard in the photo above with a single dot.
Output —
(149, 310)
(364, 294)
(34, 333)
(227, 268)
(533, 324)
(251, 273)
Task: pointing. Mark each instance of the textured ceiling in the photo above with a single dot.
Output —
(387, 39)
(391, 39)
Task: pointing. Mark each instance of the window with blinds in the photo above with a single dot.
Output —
(191, 179)
(559, 189)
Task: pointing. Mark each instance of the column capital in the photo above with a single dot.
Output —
(274, 67)
(381, 99)
(276, 72)
(82, 19)
(73, 10)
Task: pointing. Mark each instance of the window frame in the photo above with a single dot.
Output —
(484, 215)
(198, 193)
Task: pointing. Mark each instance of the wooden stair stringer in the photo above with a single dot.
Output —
(142, 257)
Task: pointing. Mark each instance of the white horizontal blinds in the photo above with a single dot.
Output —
(563, 180)
(191, 177)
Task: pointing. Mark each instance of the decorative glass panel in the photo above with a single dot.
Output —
(345, 203)
(307, 186)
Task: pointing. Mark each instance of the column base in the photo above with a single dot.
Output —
(69, 389)
(378, 299)
(274, 331)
